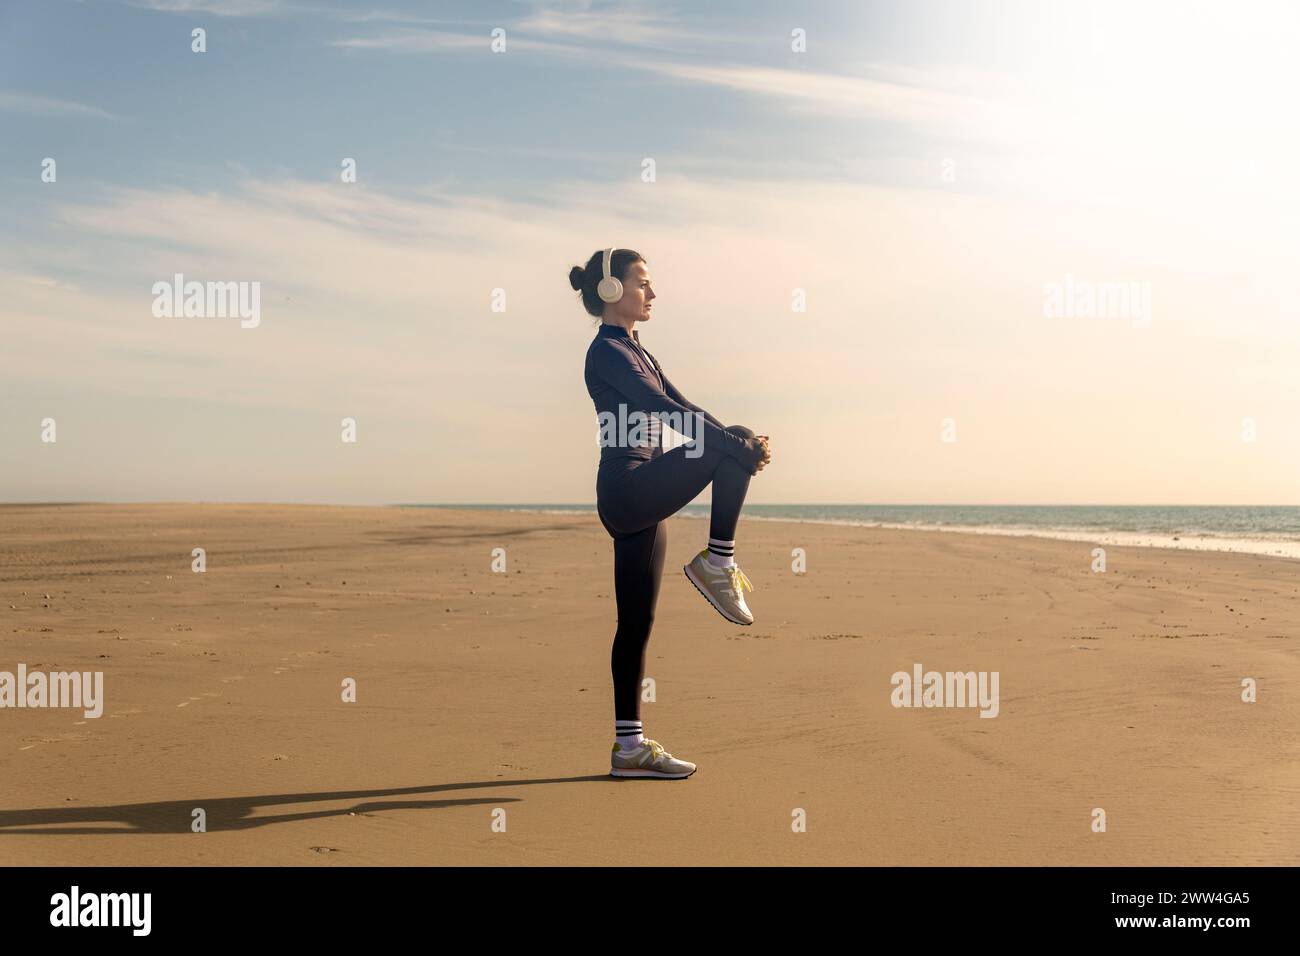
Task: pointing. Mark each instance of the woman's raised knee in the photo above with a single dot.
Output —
(732, 464)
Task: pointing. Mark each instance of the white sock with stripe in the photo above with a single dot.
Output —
(627, 734)
(722, 554)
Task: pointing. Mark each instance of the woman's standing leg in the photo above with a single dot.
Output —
(638, 570)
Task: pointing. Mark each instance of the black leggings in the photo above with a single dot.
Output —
(634, 499)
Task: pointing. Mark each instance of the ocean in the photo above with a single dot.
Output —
(1269, 530)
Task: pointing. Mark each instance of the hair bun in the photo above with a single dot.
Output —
(575, 278)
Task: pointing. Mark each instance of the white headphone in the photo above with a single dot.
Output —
(609, 289)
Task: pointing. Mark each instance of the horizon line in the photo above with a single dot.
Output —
(579, 504)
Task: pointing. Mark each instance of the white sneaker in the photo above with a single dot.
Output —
(648, 760)
(724, 587)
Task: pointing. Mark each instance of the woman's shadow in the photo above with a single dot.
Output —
(235, 813)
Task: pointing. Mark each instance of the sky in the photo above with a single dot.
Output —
(940, 252)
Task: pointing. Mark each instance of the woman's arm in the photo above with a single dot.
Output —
(627, 378)
(677, 396)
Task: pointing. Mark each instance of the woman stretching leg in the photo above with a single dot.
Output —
(639, 486)
(639, 556)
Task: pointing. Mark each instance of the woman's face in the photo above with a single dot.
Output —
(635, 304)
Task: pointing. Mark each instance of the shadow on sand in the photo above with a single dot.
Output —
(235, 813)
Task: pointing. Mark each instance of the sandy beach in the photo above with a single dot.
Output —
(484, 696)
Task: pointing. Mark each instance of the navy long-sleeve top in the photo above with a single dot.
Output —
(619, 370)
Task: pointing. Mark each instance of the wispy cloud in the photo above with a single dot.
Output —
(392, 16)
(263, 8)
(376, 304)
(919, 103)
(48, 106)
(908, 96)
(417, 41)
(630, 24)
(217, 8)
(968, 104)
(44, 282)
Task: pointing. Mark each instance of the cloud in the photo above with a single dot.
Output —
(261, 8)
(45, 282)
(913, 96)
(635, 25)
(418, 41)
(377, 304)
(629, 25)
(918, 103)
(389, 16)
(48, 106)
(217, 8)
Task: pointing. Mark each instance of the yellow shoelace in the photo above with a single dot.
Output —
(738, 579)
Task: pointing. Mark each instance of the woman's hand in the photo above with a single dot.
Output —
(767, 452)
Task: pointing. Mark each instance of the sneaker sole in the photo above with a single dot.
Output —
(650, 773)
(709, 597)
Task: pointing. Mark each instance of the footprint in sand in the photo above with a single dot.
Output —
(56, 740)
(207, 693)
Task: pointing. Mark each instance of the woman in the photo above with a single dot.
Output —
(639, 486)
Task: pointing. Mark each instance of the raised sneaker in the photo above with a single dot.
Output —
(724, 587)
